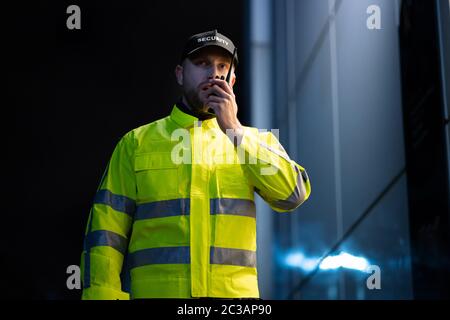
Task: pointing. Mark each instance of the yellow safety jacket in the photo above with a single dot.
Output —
(174, 215)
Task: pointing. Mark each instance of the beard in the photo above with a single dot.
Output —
(193, 99)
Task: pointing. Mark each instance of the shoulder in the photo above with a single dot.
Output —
(146, 131)
(149, 127)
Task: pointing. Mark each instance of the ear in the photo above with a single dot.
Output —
(233, 79)
(179, 74)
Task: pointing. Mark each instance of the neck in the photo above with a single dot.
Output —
(201, 115)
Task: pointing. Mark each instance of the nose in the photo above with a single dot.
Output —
(215, 73)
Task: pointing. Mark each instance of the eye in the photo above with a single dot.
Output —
(201, 62)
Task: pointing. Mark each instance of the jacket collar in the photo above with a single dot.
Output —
(185, 120)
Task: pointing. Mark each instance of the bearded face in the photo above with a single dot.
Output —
(197, 70)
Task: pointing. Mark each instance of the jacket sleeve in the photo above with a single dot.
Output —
(108, 228)
(280, 181)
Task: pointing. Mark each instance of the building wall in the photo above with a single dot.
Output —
(336, 98)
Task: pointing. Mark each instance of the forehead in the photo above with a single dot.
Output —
(211, 52)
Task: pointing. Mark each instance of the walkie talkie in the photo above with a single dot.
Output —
(231, 66)
(228, 78)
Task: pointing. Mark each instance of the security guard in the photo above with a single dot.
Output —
(174, 215)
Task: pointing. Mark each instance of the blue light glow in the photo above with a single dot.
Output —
(298, 260)
(342, 260)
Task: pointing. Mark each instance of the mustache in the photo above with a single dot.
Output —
(204, 85)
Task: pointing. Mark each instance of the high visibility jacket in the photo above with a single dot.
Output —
(174, 215)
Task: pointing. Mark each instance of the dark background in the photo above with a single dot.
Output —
(74, 93)
(424, 125)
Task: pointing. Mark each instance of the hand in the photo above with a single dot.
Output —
(220, 97)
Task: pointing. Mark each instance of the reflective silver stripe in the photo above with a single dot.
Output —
(305, 176)
(115, 201)
(279, 153)
(163, 255)
(240, 207)
(177, 207)
(106, 238)
(234, 257)
(160, 209)
(295, 199)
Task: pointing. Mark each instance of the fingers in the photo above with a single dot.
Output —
(215, 102)
(215, 90)
(222, 84)
(215, 106)
(218, 95)
(217, 99)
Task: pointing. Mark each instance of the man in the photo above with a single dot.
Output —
(174, 215)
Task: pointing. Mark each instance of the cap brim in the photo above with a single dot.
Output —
(212, 45)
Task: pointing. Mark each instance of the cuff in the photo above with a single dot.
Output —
(104, 293)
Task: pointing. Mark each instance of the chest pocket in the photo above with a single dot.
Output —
(231, 182)
(156, 176)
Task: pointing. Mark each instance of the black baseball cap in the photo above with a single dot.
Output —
(208, 38)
